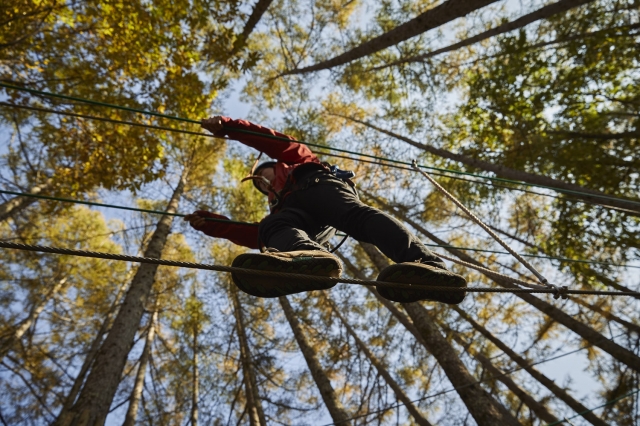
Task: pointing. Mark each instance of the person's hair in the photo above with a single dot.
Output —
(256, 172)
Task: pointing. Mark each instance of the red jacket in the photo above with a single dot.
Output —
(289, 155)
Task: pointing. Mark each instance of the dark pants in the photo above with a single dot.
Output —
(305, 214)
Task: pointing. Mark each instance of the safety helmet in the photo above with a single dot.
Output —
(256, 172)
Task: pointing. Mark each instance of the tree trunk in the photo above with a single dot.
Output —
(539, 409)
(11, 208)
(608, 315)
(331, 400)
(525, 365)
(585, 194)
(195, 387)
(542, 13)
(566, 39)
(94, 401)
(535, 406)
(598, 136)
(254, 407)
(259, 9)
(406, 401)
(587, 333)
(70, 399)
(136, 392)
(432, 18)
(7, 343)
(482, 406)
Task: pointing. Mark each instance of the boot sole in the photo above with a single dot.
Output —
(405, 273)
(262, 286)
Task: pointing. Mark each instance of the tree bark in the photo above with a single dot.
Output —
(525, 365)
(432, 18)
(535, 406)
(92, 406)
(138, 386)
(70, 399)
(577, 37)
(254, 407)
(195, 387)
(598, 136)
(7, 343)
(406, 401)
(585, 194)
(331, 400)
(542, 13)
(482, 406)
(259, 9)
(12, 207)
(587, 333)
(539, 409)
(608, 315)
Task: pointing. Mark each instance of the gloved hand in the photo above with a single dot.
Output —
(243, 234)
(212, 124)
(198, 222)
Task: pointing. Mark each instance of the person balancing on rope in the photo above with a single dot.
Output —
(309, 201)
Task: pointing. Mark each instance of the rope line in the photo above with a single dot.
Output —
(188, 132)
(113, 206)
(278, 138)
(495, 185)
(97, 103)
(613, 401)
(489, 231)
(187, 120)
(285, 275)
(159, 212)
(109, 120)
(490, 272)
(490, 377)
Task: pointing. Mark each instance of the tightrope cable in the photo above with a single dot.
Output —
(186, 120)
(232, 269)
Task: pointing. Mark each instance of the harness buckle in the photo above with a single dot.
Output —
(341, 174)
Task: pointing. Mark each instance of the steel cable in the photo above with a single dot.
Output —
(285, 275)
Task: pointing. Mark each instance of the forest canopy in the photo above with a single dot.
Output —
(527, 112)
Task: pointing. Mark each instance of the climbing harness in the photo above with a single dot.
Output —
(559, 291)
(298, 183)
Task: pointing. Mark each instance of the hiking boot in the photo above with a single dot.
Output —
(308, 262)
(421, 275)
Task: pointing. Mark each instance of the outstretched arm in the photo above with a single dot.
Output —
(276, 145)
(238, 233)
